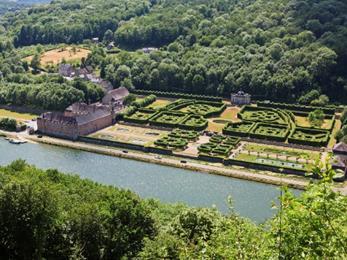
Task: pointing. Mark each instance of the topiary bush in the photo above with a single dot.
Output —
(309, 136)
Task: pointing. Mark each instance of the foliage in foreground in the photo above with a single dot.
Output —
(51, 215)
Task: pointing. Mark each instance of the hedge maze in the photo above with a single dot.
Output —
(183, 113)
(276, 125)
(171, 143)
(259, 114)
(197, 107)
(177, 139)
(238, 129)
(184, 134)
(218, 146)
(308, 136)
(270, 132)
(140, 116)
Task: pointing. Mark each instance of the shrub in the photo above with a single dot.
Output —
(238, 129)
(270, 132)
(309, 136)
(8, 124)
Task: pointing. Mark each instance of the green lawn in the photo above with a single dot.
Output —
(311, 155)
(18, 116)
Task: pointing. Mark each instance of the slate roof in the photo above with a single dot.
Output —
(115, 95)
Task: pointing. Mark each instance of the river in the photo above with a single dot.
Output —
(250, 199)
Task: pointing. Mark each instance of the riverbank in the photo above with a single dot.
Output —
(193, 165)
(177, 163)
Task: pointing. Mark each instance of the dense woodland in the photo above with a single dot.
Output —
(280, 50)
(46, 214)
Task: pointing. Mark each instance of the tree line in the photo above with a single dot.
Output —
(273, 50)
(47, 214)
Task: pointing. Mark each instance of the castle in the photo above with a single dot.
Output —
(82, 119)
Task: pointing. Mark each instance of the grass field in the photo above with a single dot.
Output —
(217, 124)
(303, 122)
(283, 151)
(18, 116)
(55, 56)
(159, 103)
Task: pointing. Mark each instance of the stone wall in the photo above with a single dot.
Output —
(54, 128)
(95, 125)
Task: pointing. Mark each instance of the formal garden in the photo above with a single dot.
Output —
(177, 140)
(308, 136)
(218, 146)
(140, 116)
(183, 113)
(280, 124)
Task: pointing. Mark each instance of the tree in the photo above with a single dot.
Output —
(28, 213)
(128, 100)
(36, 62)
(108, 37)
(311, 225)
(316, 117)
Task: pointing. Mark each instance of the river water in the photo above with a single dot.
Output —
(250, 199)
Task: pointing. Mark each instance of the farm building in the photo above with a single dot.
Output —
(115, 97)
(240, 98)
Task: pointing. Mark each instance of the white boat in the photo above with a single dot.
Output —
(14, 141)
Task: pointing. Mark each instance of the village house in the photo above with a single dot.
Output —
(116, 96)
(81, 119)
(69, 72)
(240, 98)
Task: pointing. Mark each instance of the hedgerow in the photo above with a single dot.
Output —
(194, 122)
(145, 102)
(172, 143)
(260, 114)
(309, 136)
(184, 134)
(218, 146)
(198, 107)
(177, 95)
(294, 107)
(238, 129)
(140, 116)
(270, 132)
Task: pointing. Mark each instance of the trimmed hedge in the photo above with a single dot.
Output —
(241, 129)
(144, 102)
(194, 122)
(218, 146)
(184, 134)
(176, 95)
(270, 132)
(140, 116)
(262, 114)
(178, 119)
(171, 143)
(198, 107)
(309, 136)
(296, 107)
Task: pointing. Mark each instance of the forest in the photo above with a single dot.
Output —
(47, 214)
(283, 50)
(279, 50)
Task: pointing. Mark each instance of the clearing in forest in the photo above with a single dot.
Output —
(56, 56)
